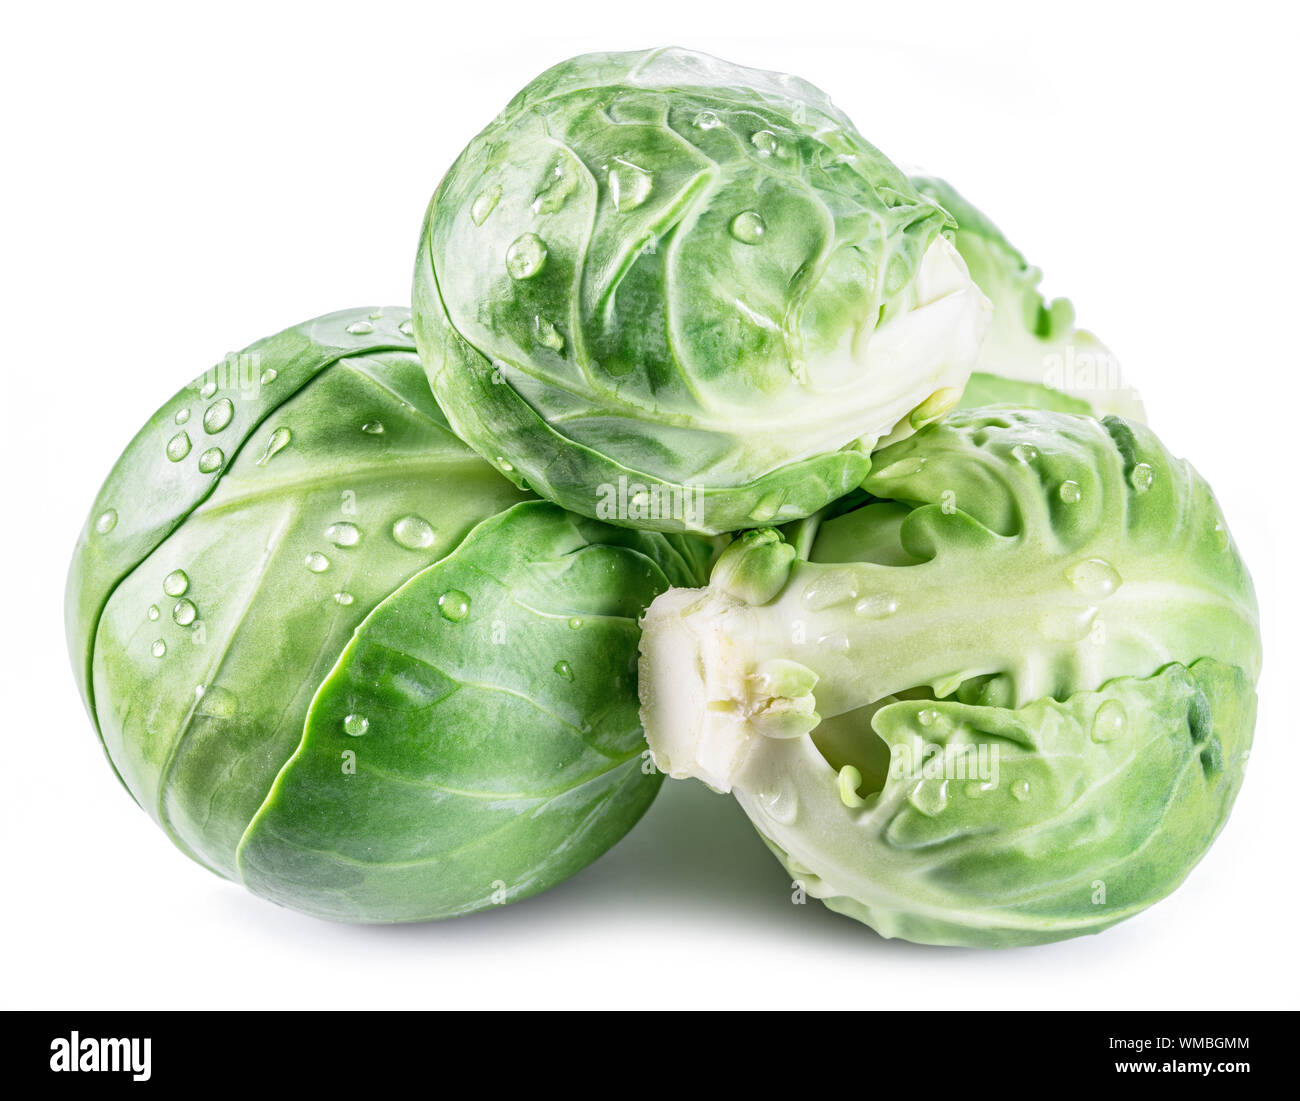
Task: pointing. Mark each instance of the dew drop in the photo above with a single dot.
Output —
(748, 227)
(413, 532)
(106, 521)
(707, 120)
(278, 442)
(927, 716)
(1141, 477)
(526, 257)
(547, 334)
(564, 669)
(629, 185)
(877, 606)
(176, 583)
(830, 588)
(373, 428)
(316, 562)
(930, 797)
(178, 446)
(484, 204)
(503, 465)
(1110, 721)
(185, 612)
(209, 388)
(343, 534)
(1024, 453)
(835, 642)
(453, 605)
(153, 612)
(211, 460)
(182, 415)
(559, 184)
(158, 649)
(343, 598)
(1020, 790)
(355, 725)
(903, 468)
(217, 416)
(575, 624)
(1070, 492)
(269, 376)
(406, 328)
(1093, 577)
(781, 803)
(361, 328)
(765, 142)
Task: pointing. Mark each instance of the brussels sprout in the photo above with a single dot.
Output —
(1006, 700)
(340, 659)
(683, 295)
(1032, 354)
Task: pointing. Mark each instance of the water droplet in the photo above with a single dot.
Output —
(526, 257)
(748, 227)
(406, 328)
(1094, 577)
(484, 204)
(343, 598)
(927, 716)
(765, 142)
(211, 460)
(316, 562)
(217, 416)
(877, 606)
(835, 642)
(780, 803)
(1024, 453)
(343, 534)
(269, 376)
(559, 184)
(278, 441)
(707, 120)
(903, 468)
(830, 588)
(178, 446)
(153, 612)
(575, 623)
(373, 428)
(548, 334)
(504, 466)
(1110, 721)
(1020, 790)
(185, 612)
(976, 789)
(1141, 477)
(1070, 492)
(176, 583)
(453, 605)
(767, 507)
(629, 185)
(106, 521)
(564, 669)
(355, 725)
(413, 532)
(182, 415)
(361, 328)
(375, 315)
(930, 797)
(209, 388)
(158, 648)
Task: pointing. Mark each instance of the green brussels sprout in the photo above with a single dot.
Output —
(1032, 355)
(343, 661)
(1006, 699)
(678, 294)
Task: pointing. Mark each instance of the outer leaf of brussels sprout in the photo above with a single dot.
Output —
(1031, 341)
(665, 271)
(478, 739)
(219, 601)
(1052, 585)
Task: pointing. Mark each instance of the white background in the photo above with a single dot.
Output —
(177, 184)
